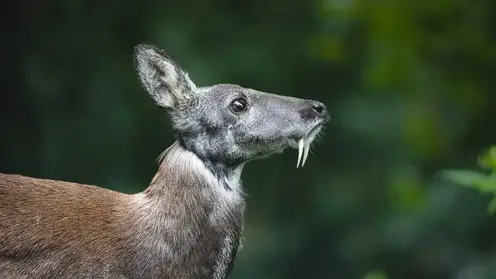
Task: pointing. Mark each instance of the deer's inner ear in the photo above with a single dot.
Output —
(162, 78)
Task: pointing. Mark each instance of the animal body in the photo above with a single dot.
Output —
(188, 221)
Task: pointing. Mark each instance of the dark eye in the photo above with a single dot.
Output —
(239, 105)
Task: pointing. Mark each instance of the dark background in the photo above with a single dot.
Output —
(409, 84)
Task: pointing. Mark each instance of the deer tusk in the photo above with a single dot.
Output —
(306, 148)
(301, 145)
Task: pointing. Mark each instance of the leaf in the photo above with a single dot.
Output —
(491, 207)
(487, 159)
(472, 179)
(488, 184)
(375, 274)
(465, 177)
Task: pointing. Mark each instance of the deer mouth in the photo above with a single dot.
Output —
(304, 144)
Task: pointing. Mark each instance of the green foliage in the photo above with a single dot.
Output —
(478, 180)
(409, 85)
(375, 274)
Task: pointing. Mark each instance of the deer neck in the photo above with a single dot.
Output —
(182, 173)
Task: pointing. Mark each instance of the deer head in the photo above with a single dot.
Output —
(226, 125)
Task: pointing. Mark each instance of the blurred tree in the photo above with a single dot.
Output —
(410, 86)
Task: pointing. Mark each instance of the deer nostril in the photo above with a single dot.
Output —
(319, 109)
(314, 109)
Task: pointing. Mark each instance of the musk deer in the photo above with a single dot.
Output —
(188, 222)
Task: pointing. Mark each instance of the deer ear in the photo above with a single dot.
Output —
(165, 81)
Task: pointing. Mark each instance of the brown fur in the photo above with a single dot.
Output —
(40, 217)
(174, 229)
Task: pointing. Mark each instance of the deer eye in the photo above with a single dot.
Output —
(239, 105)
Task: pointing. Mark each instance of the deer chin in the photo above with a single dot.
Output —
(303, 145)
